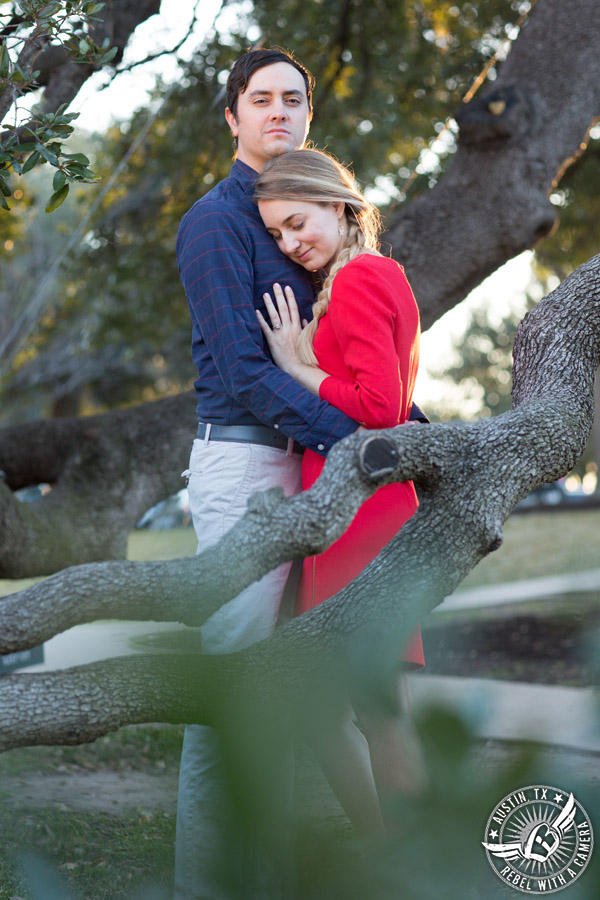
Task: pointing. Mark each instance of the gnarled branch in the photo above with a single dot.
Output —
(519, 136)
(470, 477)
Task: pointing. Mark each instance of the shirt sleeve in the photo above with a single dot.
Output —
(363, 311)
(215, 258)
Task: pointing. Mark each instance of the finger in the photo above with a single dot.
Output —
(273, 314)
(264, 326)
(293, 307)
(282, 306)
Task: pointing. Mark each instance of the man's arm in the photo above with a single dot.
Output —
(215, 261)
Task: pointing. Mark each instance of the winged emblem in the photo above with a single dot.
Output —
(542, 841)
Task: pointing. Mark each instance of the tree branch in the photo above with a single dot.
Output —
(516, 140)
(31, 48)
(470, 476)
(78, 705)
(152, 56)
(76, 522)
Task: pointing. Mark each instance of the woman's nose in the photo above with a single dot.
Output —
(289, 243)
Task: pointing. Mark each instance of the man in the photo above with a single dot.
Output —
(254, 418)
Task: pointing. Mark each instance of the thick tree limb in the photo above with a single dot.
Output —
(80, 703)
(516, 140)
(106, 470)
(470, 478)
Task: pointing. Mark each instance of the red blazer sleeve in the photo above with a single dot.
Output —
(366, 316)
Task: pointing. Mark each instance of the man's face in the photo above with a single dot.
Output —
(272, 115)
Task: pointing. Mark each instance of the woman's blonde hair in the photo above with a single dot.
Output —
(316, 177)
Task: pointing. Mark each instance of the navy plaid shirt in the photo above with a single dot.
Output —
(226, 262)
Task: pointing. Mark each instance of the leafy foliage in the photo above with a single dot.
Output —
(30, 26)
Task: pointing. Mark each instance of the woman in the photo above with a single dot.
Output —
(360, 353)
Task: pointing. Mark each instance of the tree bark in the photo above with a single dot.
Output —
(470, 476)
(516, 139)
(106, 471)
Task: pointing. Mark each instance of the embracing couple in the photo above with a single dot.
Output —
(289, 239)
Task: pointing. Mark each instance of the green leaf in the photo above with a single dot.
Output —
(4, 61)
(31, 162)
(59, 180)
(76, 172)
(26, 147)
(80, 158)
(4, 188)
(47, 154)
(3, 203)
(57, 198)
(106, 57)
(59, 130)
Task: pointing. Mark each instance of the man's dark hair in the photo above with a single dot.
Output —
(245, 67)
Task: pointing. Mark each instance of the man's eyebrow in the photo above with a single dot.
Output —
(292, 92)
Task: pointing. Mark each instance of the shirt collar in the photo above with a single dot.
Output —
(244, 175)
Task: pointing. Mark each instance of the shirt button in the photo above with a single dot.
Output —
(275, 426)
(320, 446)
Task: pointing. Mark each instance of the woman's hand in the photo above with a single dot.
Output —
(282, 337)
(283, 332)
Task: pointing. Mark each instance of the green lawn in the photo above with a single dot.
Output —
(535, 545)
(540, 544)
(171, 544)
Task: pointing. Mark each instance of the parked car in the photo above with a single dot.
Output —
(553, 494)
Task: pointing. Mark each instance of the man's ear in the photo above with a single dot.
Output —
(231, 121)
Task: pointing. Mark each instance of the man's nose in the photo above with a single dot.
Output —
(278, 110)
